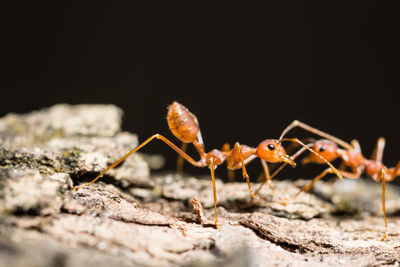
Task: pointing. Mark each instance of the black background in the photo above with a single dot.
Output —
(246, 70)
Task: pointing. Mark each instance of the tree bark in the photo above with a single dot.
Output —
(132, 217)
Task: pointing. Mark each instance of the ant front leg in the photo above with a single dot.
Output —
(269, 177)
(307, 187)
(395, 171)
(249, 157)
(266, 181)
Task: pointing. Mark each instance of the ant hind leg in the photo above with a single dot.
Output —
(157, 136)
(231, 173)
(180, 161)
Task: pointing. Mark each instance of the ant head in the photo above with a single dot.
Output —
(271, 150)
(327, 149)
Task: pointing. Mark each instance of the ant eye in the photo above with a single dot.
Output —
(322, 149)
(271, 147)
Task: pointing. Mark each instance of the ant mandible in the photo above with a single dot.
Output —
(352, 158)
(184, 125)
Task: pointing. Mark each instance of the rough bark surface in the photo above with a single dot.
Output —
(131, 217)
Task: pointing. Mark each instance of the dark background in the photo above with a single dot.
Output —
(246, 70)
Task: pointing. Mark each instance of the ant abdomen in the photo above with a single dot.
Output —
(182, 123)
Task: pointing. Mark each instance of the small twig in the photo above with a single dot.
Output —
(198, 210)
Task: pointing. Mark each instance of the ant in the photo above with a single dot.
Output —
(352, 158)
(184, 126)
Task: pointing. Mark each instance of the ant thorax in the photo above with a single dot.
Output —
(373, 168)
(352, 158)
(216, 155)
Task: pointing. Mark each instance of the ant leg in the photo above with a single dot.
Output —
(294, 156)
(267, 176)
(356, 145)
(180, 160)
(266, 181)
(377, 155)
(231, 173)
(318, 155)
(313, 130)
(307, 187)
(158, 136)
(244, 171)
(395, 171)
(382, 175)
(349, 175)
(212, 168)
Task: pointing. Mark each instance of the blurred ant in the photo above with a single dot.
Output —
(352, 158)
(184, 125)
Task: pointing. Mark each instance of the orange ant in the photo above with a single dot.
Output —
(184, 125)
(352, 158)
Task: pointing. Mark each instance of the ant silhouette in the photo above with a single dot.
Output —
(352, 158)
(184, 126)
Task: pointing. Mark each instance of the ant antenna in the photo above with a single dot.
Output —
(313, 130)
(312, 151)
